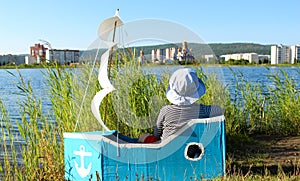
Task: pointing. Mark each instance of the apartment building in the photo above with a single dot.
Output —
(64, 56)
(158, 55)
(264, 57)
(285, 54)
(181, 54)
(280, 54)
(251, 57)
(170, 53)
(295, 53)
(37, 54)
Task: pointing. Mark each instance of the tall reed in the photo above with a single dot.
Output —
(255, 109)
(132, 110)
(284, 103)
(39, 152)
(139, 96)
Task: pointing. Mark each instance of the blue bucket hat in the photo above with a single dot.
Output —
(185, 87)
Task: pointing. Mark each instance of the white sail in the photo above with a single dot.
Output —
(108, 25)
(104, 31)
(103, 74)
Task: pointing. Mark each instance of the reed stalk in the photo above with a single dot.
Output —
(37, 153)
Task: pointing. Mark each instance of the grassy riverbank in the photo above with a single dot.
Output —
(249, 113)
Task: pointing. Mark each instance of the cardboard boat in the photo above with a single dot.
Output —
(197, 150)
(106, 155)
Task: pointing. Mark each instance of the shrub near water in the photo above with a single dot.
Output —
(71, 92)
(284, 104)
(249, 110)
(40, 157)
(139, 96)
(253, 110)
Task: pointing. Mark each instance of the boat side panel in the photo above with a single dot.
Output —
(165, 163)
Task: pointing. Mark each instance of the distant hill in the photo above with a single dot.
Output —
(230, 48)
(217, 48)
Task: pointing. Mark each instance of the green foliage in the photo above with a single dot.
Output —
(284, 104)
(39, 144)
(235, 62)
(137, 100)
(216, 92)
(71, 92)
(132, 110)
(253, 111)
(230, 48)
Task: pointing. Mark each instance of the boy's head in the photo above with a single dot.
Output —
(185, 87)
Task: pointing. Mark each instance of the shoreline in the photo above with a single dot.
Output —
(149, 65)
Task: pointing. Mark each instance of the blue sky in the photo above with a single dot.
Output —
(73, 24)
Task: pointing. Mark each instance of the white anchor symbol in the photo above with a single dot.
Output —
(83, 172)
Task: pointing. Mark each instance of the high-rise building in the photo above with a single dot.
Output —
(173, 53)
(280, 54)
(64, 56)
(295, 53)
(38, 53)
(158, 55)
(170, 53)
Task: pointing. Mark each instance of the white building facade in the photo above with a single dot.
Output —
(170, 53)
(63, 56)
(251, 57)
(280, 54)
(285, 54)
(209, 57)
(295, 53)
(157, 55)
(264, 57)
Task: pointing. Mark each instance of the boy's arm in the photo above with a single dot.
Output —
(158, 129)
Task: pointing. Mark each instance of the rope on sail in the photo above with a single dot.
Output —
(85, 91)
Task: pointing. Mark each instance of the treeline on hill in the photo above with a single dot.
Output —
(216, 48)
(231, 48)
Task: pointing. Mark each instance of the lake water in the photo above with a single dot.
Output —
(9, 80)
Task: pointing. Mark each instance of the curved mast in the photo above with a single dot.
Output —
(104, 31)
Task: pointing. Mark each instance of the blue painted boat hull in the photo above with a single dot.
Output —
(115, 159)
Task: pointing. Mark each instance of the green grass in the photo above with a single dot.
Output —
(252, 112)
(132, 110)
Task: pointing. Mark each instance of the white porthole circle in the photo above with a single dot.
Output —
(194, 151)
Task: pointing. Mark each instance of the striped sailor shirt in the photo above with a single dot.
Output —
(172, 117)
